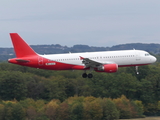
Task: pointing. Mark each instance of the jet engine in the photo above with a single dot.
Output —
(109, 68)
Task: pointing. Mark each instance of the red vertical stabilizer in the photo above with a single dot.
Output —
(21, 48)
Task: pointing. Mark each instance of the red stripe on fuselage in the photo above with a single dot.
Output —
(44, 63)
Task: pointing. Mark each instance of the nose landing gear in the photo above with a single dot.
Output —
(137, 70)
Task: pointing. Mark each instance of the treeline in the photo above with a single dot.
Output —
(18, 83)
(56, 49)
(73, 108)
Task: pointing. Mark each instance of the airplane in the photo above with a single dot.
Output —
(106, 61)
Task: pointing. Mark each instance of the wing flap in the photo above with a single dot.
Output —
(93, 63)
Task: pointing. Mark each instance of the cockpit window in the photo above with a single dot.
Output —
(147, 54)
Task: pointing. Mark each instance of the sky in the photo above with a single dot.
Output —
(101, 23)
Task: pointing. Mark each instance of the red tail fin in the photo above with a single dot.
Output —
(21, 48)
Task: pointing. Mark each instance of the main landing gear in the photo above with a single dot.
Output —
(90, 75)
(85, 75)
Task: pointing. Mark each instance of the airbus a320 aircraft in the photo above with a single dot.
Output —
(107, 61)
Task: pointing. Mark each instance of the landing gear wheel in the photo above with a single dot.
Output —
(90, 75)
(84, 75)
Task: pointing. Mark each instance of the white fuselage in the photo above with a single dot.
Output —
(121, 58)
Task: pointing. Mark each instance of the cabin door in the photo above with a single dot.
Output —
(138, 58)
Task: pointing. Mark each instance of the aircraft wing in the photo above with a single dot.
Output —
(93, 63)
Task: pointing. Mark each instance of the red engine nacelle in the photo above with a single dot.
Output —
(109, 68)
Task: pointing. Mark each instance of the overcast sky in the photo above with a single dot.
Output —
(88, 22)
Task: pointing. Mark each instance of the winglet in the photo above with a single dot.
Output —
(81, 58)
(21, 48)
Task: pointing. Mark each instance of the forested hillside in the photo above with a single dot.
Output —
(34, 94)
(6, 53)
(29, 93)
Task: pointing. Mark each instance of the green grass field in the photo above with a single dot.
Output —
(147, 118)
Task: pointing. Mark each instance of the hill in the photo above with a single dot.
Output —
(6, 53)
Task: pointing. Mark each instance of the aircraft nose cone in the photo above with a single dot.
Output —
(154, 59)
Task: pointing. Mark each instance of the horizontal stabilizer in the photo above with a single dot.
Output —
(23, 61)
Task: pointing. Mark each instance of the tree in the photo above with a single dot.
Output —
(12, 85)
(18, 112)
(146, 92)
(34, 108)
(138, 107)
(8, 111)
(1, 112)
(63, 111)
(55, 88)
(31, 113)
(110, 111)
(52, 109)
(36, 87)
(124, 107)
(92, 109)
(76, 111)
(76, 107)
